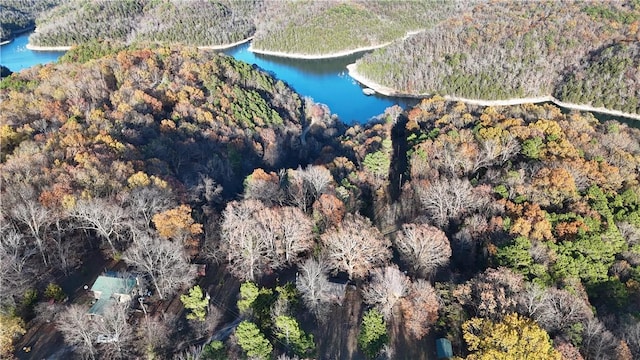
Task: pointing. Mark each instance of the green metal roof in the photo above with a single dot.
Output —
(444, 349)
(108, 286)
(98, 307)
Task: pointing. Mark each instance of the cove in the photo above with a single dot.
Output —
(16, 56)
(325, 81)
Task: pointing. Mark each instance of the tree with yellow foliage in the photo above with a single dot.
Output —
(10, 328)
(177, 224)
(515, 337)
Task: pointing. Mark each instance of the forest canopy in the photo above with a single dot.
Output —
(575, 51)
(584, 53)
(187, 22)
(254, 218)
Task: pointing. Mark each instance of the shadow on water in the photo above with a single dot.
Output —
(313, 66)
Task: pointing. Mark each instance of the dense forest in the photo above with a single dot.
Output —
(321, 241)
(309, 27)
(501, 50)
(20, 15)
(100, 155)
(187, 22)
(574, 51)
(325, 27)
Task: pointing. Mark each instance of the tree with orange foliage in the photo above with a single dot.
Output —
(330, 209)
(553, 186)
(420, 308)
(177, 224)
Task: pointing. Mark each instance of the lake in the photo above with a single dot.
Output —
(16, 56)
(326, 81)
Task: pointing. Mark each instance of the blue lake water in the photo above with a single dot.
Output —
(326, 81)
(16, 56)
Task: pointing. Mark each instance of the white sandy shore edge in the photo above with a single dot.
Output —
(48, 48)
(331, 55)
(224, 46)
(67, 48)
(387, 91)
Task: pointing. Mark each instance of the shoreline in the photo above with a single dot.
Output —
(387, 91)
(333, 55)
(16, 34)
(205, 47)
(225, 46)
(47, 48)
(315, 56)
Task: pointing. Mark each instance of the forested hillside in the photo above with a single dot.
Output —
(506, 50)
(500, 218)
(325, 27)
(261, 227)
(583, 53)
(20, 15)
(119, 153)
(307, 27)
(187, 22)
(549, 204)
(608, 77)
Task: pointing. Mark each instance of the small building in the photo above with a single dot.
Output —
(444, 349)
(108, 289)
(337, 290)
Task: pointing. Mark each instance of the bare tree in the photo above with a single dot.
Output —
(388, 285)
(306, 185)
(164, 261)
(317, 179)
(298, 192)
(247, 251)
(313, 283)
(23, 207)
(114, 333)
(554, 309)
(631, 333)
(257, 238)
(206, 189)
(78, 330)
(420, 308)
(65, 249)
(14, 271)
(156, 333)
(104, 217)
(294, 234)
(494, 151)
(423, 246)
(355, 246)
(446, 199)
(598, 342)
(145, 201)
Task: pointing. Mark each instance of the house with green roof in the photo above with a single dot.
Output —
(444, 349)
(108, 289)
